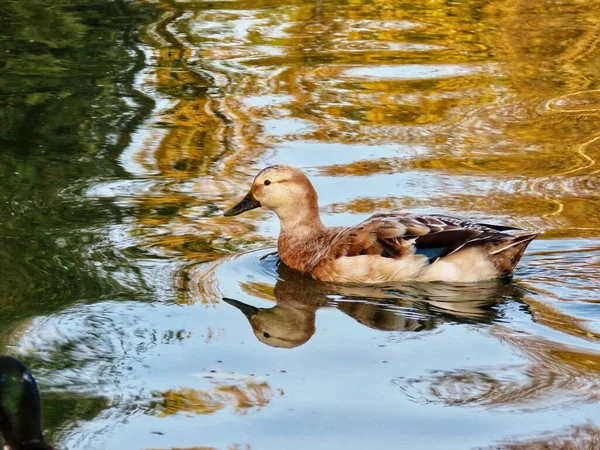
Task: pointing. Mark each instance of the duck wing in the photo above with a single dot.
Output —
(398, 235)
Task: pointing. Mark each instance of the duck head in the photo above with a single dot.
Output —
(283, 189)
(20, 415)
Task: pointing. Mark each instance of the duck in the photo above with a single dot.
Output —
(20, 416)
(386, 247)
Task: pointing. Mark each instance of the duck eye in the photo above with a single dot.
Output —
(267, 182)
(267, 335)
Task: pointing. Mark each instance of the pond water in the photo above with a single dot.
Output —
(128, 127)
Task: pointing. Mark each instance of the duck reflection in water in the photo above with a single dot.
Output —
(406, 308)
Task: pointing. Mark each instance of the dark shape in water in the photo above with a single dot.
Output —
(20, 417)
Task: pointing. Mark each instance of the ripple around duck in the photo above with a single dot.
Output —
(582, 102)
(511, 388)
(111, 346)
(566, 270)
(400, 308)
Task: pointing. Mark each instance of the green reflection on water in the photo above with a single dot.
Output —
(66, 110)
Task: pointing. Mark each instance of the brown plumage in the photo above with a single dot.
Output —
(385, 247)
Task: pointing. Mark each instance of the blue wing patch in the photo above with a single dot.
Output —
(431, 253)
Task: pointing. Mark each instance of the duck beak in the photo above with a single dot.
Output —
(246, 204)
(247, 310)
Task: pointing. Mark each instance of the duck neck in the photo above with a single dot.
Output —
(298, 237)
(300, 216)
(301, 222)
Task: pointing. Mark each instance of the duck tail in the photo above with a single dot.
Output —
(507, 253)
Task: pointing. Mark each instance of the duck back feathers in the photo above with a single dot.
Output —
(403, 246)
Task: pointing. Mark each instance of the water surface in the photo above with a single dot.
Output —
(151, 321)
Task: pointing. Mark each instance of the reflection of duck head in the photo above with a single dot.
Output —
(284, 325)
(291, 322)
(19, 407)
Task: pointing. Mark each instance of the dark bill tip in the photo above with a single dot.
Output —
(247, 310)
(246, 204)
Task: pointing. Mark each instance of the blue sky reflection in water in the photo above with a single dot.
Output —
(127, 128)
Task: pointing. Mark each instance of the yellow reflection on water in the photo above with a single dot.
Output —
(242, 397)
(503, 91)
(486, 109)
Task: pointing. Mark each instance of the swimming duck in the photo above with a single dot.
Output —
(20, 421)
(385, 247)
